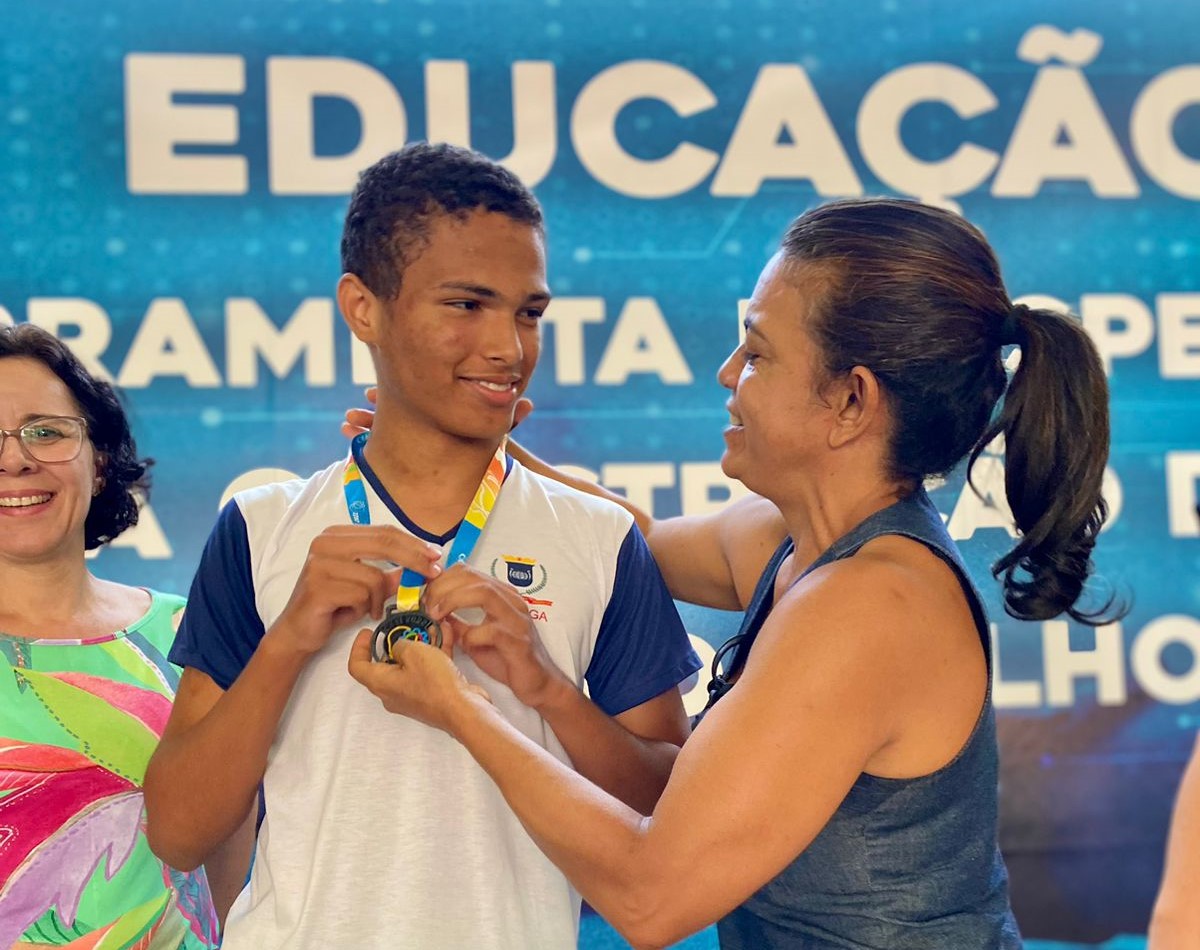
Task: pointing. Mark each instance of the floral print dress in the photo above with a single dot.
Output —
(78, 722)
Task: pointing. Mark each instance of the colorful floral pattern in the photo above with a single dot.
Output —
(78, 722)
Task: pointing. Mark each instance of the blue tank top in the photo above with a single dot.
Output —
(903, 863)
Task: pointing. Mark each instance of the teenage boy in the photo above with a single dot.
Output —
(378, 831)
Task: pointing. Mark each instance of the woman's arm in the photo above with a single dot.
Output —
(712, 560)
(753, 786)
(1175, 924)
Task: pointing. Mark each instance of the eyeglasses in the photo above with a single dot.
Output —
(49, 438)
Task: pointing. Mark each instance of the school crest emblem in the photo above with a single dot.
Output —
(525, 574)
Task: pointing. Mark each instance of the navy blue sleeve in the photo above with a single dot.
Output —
(642, 649)
(221, 627)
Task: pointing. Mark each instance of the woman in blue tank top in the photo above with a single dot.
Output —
(841, 789)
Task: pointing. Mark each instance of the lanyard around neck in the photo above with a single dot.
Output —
(408, 594)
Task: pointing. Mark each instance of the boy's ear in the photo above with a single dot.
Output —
(360, 308)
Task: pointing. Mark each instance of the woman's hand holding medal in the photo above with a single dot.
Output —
(340, 582)
(421, 682)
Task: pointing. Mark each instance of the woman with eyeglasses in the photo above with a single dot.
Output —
(841, 788)
(85, 686)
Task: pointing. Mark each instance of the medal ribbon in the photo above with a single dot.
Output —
(408, 594)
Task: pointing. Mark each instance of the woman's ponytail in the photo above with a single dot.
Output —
(1056, 434)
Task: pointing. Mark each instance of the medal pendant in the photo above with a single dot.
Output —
(403, 625)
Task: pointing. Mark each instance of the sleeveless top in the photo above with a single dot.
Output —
(78, 721)
(902, 863)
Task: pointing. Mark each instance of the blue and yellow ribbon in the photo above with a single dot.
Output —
(408, 594)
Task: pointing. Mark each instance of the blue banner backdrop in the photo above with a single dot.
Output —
(172, 181)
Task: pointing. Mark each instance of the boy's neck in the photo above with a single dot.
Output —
(432, 477)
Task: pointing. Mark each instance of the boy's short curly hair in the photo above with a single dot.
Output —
(388, 218)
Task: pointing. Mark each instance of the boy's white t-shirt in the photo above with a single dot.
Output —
(380, 831)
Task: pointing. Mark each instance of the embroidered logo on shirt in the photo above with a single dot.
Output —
(528, 577)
